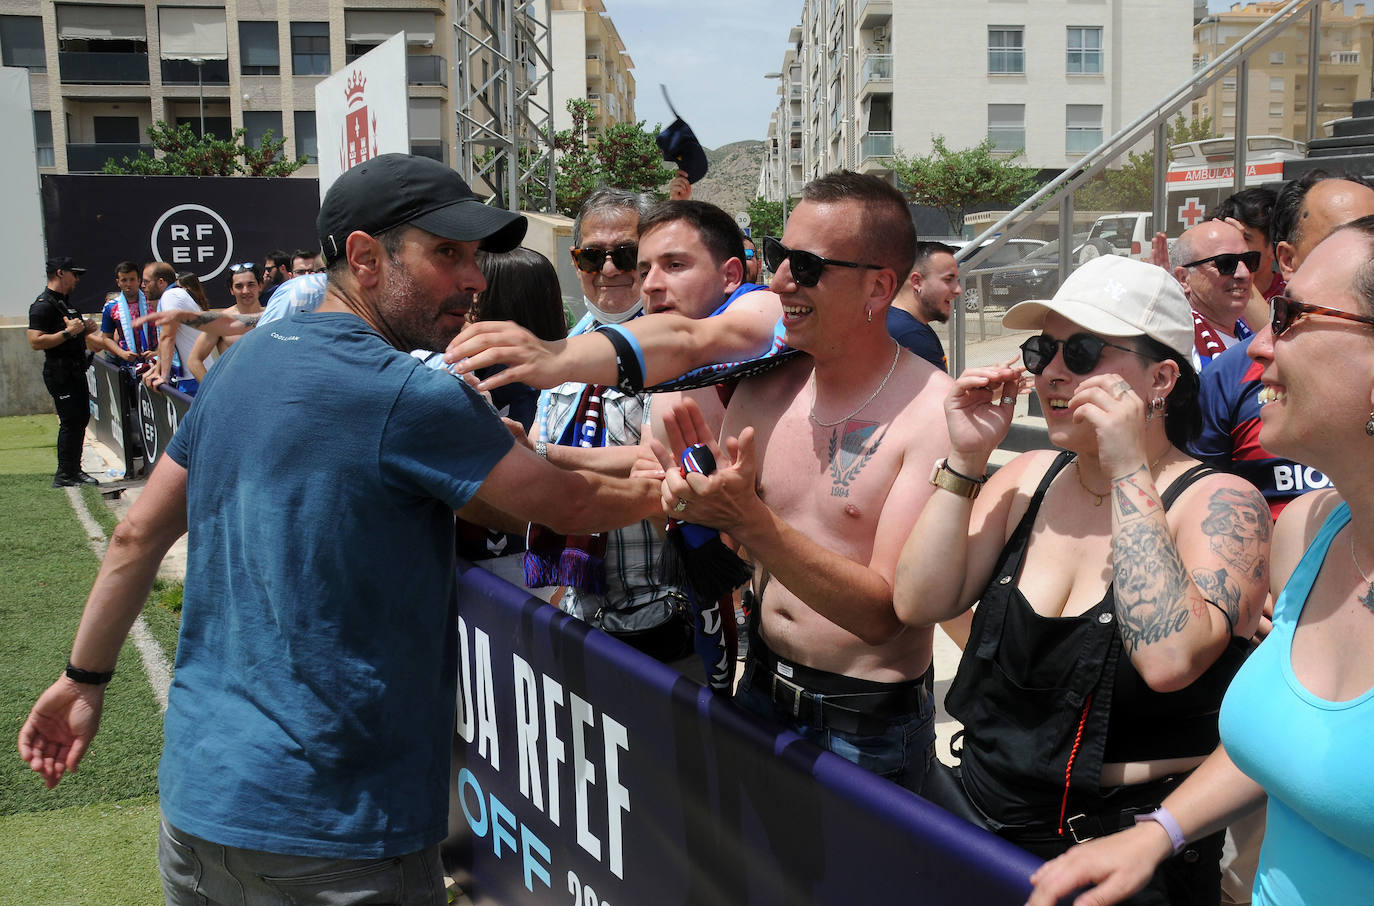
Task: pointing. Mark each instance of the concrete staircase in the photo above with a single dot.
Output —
(1349, 150)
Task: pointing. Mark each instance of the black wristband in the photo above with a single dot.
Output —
(88, 677)
(957, 474)
(629, 378)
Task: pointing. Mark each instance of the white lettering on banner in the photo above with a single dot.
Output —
(527, 730)
(487, 744)
(613, 737)
(555, 751)
(583, 770)
(1294, 477)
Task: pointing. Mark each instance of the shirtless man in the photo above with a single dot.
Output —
(825, 467)
(245, 284)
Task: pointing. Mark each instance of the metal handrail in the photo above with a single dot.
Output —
(1059, 190)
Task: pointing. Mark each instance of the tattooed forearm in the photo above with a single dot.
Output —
(209, 317)
(1133, 500)
(1150, 584)
(1221, 592)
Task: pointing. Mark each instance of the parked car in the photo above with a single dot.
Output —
(1128, 233)
(1011, 253)
(1035, 276)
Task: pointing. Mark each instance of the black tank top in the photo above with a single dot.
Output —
(1046, 700)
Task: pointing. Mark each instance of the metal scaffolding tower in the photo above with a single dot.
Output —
(502, 53)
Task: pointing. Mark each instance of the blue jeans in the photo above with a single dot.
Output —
(196, 872)
(901, 753)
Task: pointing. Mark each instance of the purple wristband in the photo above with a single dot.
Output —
(1166, 820)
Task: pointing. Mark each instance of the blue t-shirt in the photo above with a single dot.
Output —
(312, 707)
(1311, 756)
(1229, 399)
(903, 327)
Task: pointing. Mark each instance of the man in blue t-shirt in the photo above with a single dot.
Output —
(312, 711)
(926, 295)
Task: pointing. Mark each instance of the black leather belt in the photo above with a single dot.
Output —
(861, 713)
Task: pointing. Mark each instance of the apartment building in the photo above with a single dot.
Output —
(1276, 84)
(1047, 78)
(101, 73)
(585, 40)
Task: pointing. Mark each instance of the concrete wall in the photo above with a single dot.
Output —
(21, 374)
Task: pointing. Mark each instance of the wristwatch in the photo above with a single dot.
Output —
(942, 476)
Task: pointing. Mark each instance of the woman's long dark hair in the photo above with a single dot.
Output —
(522, 286)
(1182, 411)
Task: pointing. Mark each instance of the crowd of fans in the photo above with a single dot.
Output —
(1124, 591)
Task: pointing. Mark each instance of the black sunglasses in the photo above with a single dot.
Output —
(1226, 262)
(238, 268)
(1082, 352)
(591, 259)
(806, 267)
(1283, 311)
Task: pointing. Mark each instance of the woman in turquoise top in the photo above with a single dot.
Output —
(1297, 725)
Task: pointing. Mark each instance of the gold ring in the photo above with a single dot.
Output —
(681, 505)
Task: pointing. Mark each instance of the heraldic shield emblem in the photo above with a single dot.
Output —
(360, 128)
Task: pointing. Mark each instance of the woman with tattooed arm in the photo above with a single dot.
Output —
(1297, 725)
(1117, 582)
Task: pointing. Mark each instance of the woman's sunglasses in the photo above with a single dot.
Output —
(1226, 263)
(1283, 311)
(1082, 352)
(591, 259)
(806, 267)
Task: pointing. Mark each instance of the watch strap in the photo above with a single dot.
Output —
(88, 677)
(942, 476)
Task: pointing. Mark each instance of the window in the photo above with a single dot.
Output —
(1276, 84)
(42, 138)
(310, 51)
(21, 42)
(1085, 51)
(1276, 108)
(1083, 128)
(307, 145)
(1007, 127)
(1228, 111)
(258, 50)
(1276, 57)
(257, 123)
(1006, 49)
(117, 130)
(1229, 83)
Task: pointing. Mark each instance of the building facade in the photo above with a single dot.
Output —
(1277, 79)
(585, 40)
(1047, 78)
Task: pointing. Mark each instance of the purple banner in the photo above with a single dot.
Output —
(587, 773)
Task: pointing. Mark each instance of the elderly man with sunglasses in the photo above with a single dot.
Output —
(1215, 267)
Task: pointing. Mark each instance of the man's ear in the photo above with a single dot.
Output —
(364, 254)
(1286, 255)
(733, 272)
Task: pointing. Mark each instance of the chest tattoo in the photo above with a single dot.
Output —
(852, 446)
(1367, 599)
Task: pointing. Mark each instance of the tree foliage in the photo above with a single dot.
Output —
(1131, 186)
(952, 182)
(185, 154)
(625, 156)
(765, 217)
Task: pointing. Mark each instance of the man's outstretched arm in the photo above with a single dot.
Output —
(669, 345)
(218, 322)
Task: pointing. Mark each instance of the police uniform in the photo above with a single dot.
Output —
(64, 374)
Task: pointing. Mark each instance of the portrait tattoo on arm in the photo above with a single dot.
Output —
(1238, 527)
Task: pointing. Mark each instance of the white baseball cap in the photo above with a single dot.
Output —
(1116, 297)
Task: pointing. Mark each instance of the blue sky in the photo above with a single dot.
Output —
(712, 55)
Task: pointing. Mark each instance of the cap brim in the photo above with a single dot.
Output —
(77, 270)
(497, 229)
(1030, 315)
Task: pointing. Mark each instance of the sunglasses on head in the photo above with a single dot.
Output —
(1283, 312)
(1082, 352)
(239, 268)
(749, 254)
(1226, 262)
(591, 259)
(806, 267)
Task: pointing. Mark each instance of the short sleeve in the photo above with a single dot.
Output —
(44, 317)
(441, 438)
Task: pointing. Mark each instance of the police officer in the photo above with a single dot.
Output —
(57, 328)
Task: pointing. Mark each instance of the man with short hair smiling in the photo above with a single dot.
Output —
(926, 296)
(1214, 265)
(131, 343)
(309, 730)
(244, 285)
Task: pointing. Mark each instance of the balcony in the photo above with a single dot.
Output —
(184, 72)
(794, 90)
(877, 67)
(794, 155)
(874, 12)
(875, 144)
(88, 68)
(595, 68)
(91, 158)
(426, 69)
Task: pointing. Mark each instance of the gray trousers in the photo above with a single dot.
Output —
(196, 872)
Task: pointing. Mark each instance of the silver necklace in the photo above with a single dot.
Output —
(1368, 598)
(896, 354)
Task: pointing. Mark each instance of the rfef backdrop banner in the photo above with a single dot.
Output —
(588, 774)
(201, 224)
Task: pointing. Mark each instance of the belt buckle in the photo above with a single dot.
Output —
(1078, 836)
(794, 689)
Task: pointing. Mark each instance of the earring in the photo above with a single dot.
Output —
(1156, 408)
(869, 312)
(1369, 425)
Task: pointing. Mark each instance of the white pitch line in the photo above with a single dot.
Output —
(155, 664)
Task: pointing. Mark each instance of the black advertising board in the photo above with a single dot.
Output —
(202, 224)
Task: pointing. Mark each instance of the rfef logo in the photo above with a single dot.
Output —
(147, 418)
(193, 237)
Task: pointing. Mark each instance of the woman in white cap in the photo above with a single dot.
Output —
(1117, 582)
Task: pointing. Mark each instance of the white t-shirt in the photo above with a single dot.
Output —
(178, 299)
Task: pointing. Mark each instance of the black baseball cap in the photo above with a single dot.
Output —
(64, 263)
(680, 146)
(394, 189)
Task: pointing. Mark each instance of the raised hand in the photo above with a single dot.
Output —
(979, 409)
(1117, 416)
